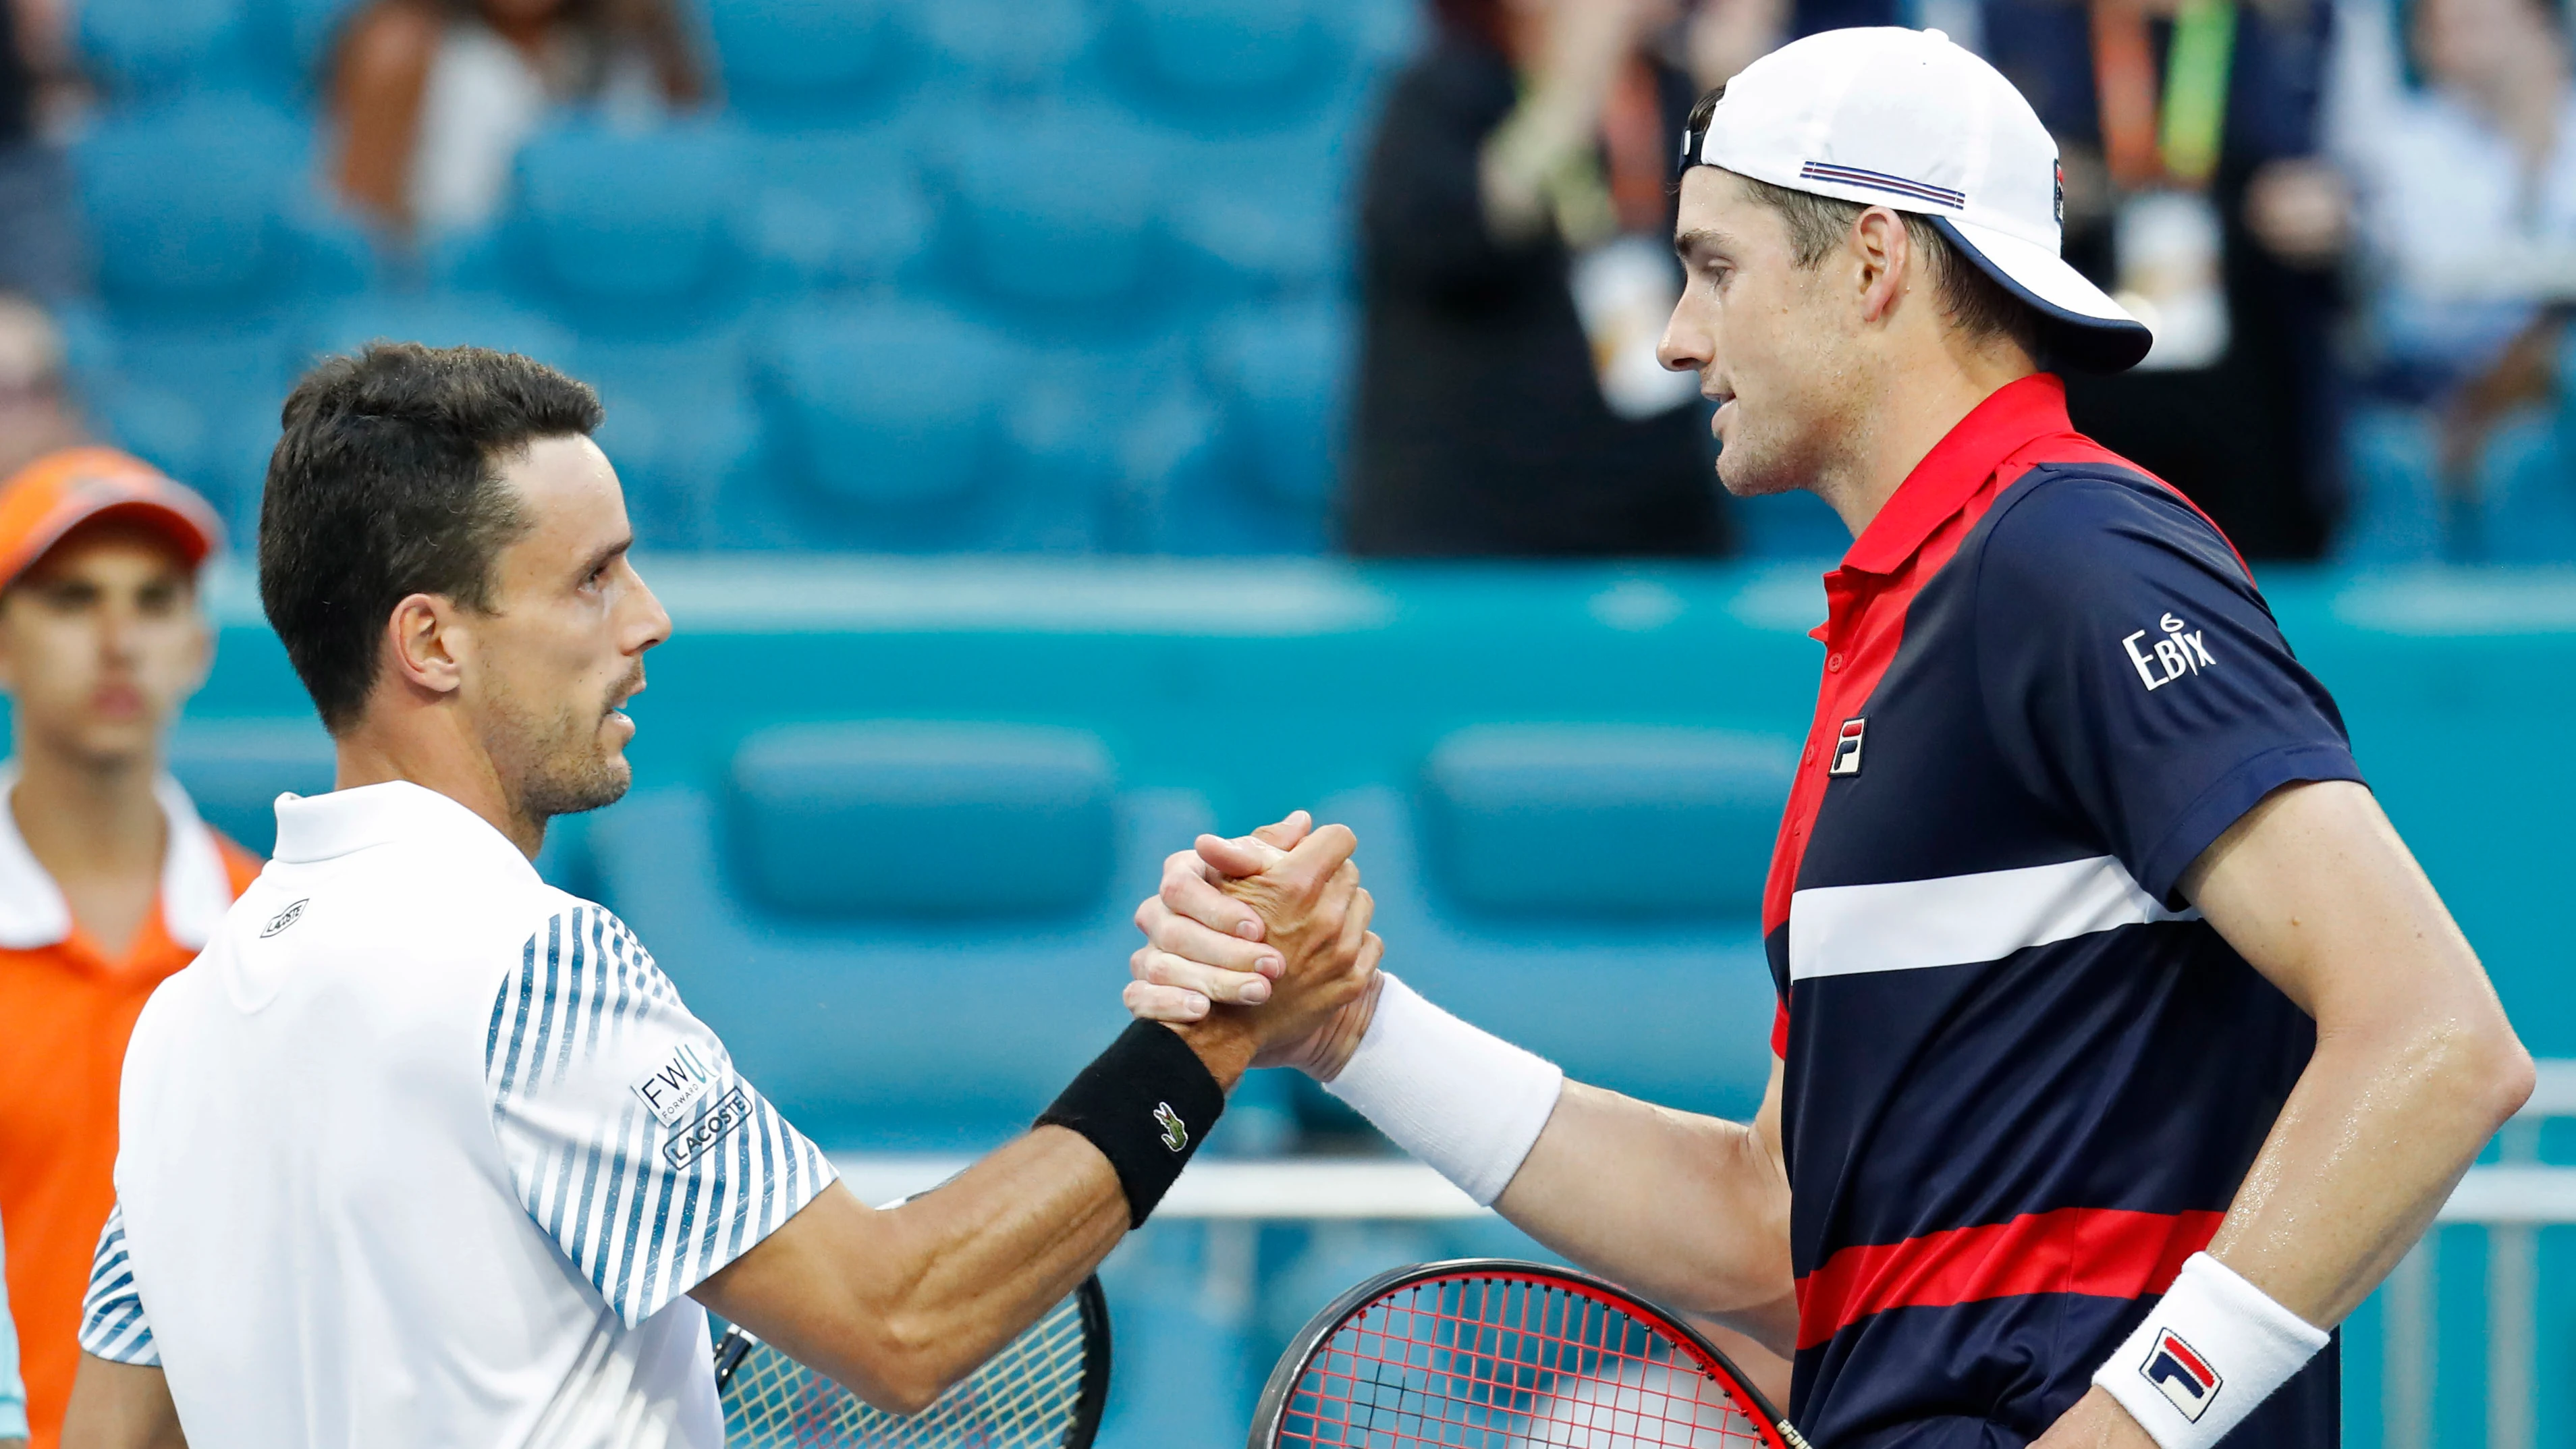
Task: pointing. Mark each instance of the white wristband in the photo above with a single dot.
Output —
(2214, 1348)
(1465, 1101)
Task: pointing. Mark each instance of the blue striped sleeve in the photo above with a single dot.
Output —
(630, 1138)
(112, 1323)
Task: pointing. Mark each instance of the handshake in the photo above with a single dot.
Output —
(1263, 939)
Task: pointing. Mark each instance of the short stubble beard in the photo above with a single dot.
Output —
(561, 767)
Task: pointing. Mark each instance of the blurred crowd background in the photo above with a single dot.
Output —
(1251, 276)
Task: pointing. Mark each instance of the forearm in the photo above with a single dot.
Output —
(2415, 1064)
(2378, 1131)
(986, 1255)
(1691, 1211)
(989, 1252)
(900, 1304)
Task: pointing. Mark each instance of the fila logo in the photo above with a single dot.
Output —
(284, 918)
(1847, 748)
(2175, 655)
(2181, 1375)
(1176, 1133)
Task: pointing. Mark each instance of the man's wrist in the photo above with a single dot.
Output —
(1341, 1041)
(2211, 1350)
(1225, 1041)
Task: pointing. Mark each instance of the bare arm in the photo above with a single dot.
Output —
(120, 1406)
(900, 1304)
(1690, 1211)
(2415, 1065)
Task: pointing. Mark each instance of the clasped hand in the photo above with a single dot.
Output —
(1276, 920)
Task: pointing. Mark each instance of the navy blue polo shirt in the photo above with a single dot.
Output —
(2024, 1078)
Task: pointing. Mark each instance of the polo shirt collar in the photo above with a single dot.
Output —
(314, 828)
(196, 890)
(1949, 475)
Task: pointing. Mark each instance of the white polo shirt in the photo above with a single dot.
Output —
(424, 1151)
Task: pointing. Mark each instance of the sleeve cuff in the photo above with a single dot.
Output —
(2226, 801)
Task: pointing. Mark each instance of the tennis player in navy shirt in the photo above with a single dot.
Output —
(2122, 1047)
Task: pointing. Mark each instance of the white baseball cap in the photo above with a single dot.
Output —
(1890, 117)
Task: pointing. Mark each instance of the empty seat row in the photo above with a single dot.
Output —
(875, 426)
(841, 885)
(1242, 65)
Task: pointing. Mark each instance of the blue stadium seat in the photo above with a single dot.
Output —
(2521, 511)
(195, 207)
(800, 63)
(1060, 209)
(628, 240)
(1676, 1010)
(838, 208)
(2393, 511)
(1283, 374)
(2526, 505)
(1606, 822)
(614, 217)
(144, 51)
(1265, 216)
(439, 321)
(1572, 986)
(1014, 48)
(890, 408)
(1238, 64)
(307, 29)
(682, 430)
(236, 769)
(211, 252)
(1122, 432)
(889, 1032)
(870, 820)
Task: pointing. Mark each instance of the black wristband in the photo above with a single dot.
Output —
(1146, 1103)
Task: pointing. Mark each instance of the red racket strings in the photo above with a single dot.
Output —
(1503, 1363)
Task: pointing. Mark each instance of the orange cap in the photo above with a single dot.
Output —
(63, 490)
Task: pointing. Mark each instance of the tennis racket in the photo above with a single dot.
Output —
(1487, 1353)
(1043, 1391)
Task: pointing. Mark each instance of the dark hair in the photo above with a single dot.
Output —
(1974, 302)
(387, 484)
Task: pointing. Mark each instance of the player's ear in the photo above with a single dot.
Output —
(1882, 247)
(423, 644)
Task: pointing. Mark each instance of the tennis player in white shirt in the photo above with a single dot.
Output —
(423, 1151)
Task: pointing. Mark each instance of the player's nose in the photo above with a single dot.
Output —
(1680, 349)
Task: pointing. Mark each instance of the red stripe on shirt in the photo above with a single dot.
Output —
(2101, 1252)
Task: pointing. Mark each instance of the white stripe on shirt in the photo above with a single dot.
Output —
(1959, 920)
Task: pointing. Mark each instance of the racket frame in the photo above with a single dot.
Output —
(1269, 1415)
(1089, 1399)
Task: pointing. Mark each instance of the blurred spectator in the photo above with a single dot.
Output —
(1516, 265)
(434, 97)
(2195, 188)
(40, 251)
(109, 881)
(36, 415)
(2467, 189)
